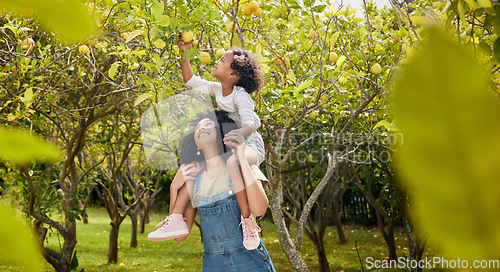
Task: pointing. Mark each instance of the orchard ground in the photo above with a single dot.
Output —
(93, 238)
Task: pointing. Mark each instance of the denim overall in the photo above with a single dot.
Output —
(220, 219)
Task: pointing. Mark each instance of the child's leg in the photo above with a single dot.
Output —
(182, 201)
(174, 190)
(181, 179)
(238, 182)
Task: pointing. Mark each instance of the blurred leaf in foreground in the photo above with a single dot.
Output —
(20, 147)
(17, 246)
(450, 154)
(69, 18)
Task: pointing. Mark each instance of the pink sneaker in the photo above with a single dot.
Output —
(250, 233)
(174, 226)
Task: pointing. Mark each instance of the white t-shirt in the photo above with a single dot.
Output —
(239, 103)
(216, 182)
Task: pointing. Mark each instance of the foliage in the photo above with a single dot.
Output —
(18, 244)
(449, 150)
(67, 18)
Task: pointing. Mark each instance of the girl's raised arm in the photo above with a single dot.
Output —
(187, 71)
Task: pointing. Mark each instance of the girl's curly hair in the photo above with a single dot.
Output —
(249, 70)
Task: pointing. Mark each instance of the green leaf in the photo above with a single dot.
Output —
(319, 8)
(74, 262)
(17, 244)
(191, 53)
(112, 71)
(160, 44)
(341, 60)
(157, 9)
(303, 86)
(141, 98)
(133, 34)
(157, 60)
(163, 21)
(69, 18)
(28, 96)
(484, 3)
(496, 49)
(19, 146)
(384, 124)
(451, 144)
(496, 20)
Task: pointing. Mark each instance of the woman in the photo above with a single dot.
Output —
(214, 196)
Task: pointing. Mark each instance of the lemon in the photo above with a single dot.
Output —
(28, 44)
(376, 69)
(187, 36)
(124, 36)
(195, 43)
(204, 57)
(258, 12)
(253, 6)
(312, 35)
(333, 57)
(83, 49)
(246, 10)
(219, 53)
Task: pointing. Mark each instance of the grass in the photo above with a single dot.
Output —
(149, 256)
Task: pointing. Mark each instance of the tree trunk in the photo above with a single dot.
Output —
(144, 215)
(293, 255)
(113, 242)
(391, 243)
(324, 266)
(338, 225)
(83, 207)
(319, 245)
(416, 245)
(133, 238)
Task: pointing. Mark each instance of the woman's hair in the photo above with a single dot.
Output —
(187, 150)
(249, 70)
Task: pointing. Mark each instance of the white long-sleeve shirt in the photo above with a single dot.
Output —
(238, 104)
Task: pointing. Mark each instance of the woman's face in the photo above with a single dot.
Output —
(205, 133)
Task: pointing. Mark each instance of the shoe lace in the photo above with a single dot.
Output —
(250, 228)
(164, 223)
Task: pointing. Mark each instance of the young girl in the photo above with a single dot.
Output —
(240, 74)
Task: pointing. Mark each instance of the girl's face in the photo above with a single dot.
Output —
(222, 67)
(205, 133)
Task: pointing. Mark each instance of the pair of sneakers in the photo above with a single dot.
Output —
(174, 227)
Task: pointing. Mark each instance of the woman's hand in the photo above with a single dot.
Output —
(190, 171)
(235, 140)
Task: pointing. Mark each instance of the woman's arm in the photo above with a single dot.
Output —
(186, 173)
(257, 199)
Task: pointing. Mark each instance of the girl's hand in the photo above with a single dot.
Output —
(235, 140)
(183, 45)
